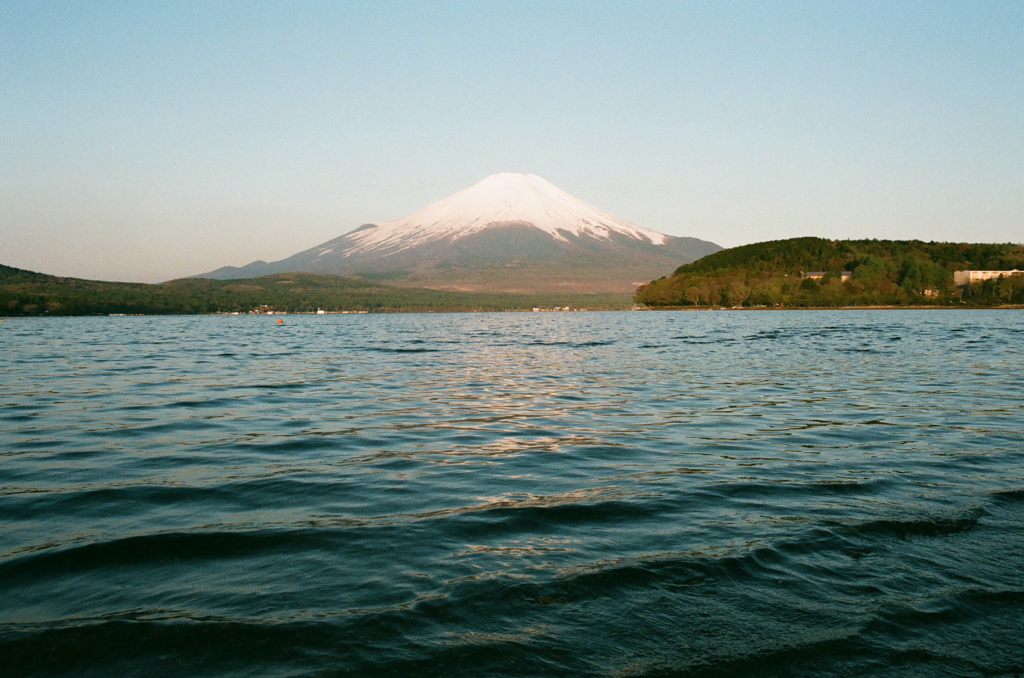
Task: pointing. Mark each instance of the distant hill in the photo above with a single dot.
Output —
(507, 233)
(884, 272)
(29, 293)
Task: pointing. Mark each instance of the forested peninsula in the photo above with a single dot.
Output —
(815, 272)
(26, 293)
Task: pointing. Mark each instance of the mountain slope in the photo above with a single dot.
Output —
(509, 233)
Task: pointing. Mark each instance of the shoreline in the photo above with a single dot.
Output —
(1005, 307)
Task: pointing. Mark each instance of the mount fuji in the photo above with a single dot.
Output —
(508, 233)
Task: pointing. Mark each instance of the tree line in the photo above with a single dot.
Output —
(26, 293)
(881, 273)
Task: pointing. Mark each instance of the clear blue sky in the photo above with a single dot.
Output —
(145, 141)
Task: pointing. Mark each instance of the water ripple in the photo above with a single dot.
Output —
(628, 494)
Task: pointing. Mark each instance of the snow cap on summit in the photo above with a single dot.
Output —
(498, 200)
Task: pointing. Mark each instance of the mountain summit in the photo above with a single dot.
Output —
(508, 232)
(499, 200)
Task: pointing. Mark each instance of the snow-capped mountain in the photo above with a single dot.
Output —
(498, 199)
(508, 232)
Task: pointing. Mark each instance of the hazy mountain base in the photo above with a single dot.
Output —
(25, 293)
(885, 273)
(516, 258)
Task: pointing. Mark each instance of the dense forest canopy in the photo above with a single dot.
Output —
(884, 273)
(27, 293)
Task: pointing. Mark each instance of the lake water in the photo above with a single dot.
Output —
(808, 493)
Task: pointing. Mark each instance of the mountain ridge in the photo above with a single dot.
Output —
(506, 233)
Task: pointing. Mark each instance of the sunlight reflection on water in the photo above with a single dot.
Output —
(513, 494)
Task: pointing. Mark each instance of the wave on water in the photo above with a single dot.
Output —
(769, 494)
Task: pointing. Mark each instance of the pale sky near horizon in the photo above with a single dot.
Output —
(147, 141)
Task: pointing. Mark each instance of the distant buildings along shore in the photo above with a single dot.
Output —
(962, 278)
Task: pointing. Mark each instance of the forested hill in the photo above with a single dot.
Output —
(28, 293)
(10, 276)
(884, 272)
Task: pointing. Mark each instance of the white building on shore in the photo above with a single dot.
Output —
(961, 278)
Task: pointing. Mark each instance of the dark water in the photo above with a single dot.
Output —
(599, 494)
